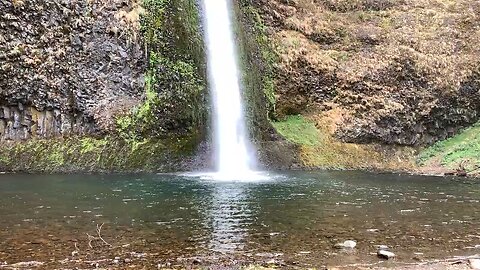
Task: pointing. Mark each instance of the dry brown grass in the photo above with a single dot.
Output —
(400, 67)
(441, 36)
(129, 19)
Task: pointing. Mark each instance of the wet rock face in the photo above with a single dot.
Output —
(394, 80)
(23, 123)
(67, 66)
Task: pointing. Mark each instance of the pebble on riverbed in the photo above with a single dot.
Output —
(349, 244)
(383, 247)
(474, 264)
(385, 254)
(27, 264)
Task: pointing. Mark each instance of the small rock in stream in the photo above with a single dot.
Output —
(270, 262)
(385, 254)
(27, 264)
(474, 264)
(347, 244)
(383, 247)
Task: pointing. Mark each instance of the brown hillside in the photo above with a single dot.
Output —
(401, 72)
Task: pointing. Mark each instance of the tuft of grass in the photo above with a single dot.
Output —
(463, 148)
(89, 144)
(298, 130)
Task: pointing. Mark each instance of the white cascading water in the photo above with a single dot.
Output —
(233, 158)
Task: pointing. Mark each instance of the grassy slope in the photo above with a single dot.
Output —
(462, 150)
(320, 149)
(298, 130)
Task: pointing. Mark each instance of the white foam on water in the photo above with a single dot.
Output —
(252, 176)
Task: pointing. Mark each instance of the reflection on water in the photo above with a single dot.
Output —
(229, 216)
(296, 219)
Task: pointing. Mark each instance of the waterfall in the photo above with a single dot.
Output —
(233, 157)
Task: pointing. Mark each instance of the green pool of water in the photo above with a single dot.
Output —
(294, 219)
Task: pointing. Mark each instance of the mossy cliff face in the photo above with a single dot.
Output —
(95, 86)
(374, 76)
(108, 154)
(121, 86)
(175, 79)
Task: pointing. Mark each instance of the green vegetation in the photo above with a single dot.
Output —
(318, 148)
(262, 46)
(257, 59)
(89, 145)
(174, 83)
(462, 150)
(109, 154)
(298, 130)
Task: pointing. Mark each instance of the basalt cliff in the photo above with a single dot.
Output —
(121, 85)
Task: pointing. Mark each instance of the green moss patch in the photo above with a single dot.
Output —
(174, 103)
(318, 148)
(299, 130)
(109, 154)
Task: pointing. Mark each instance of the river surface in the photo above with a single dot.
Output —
(293, 220)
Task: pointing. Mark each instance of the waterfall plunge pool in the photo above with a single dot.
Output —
(292, 220)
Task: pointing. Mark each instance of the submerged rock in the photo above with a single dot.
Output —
(349, 244)
(382, 247)
(385, 254)
(27, 264)
(474, 263)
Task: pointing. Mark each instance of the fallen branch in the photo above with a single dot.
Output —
(99, 232)
(99, 237)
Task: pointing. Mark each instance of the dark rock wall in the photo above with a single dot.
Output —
(23, 123)
(67, 66)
